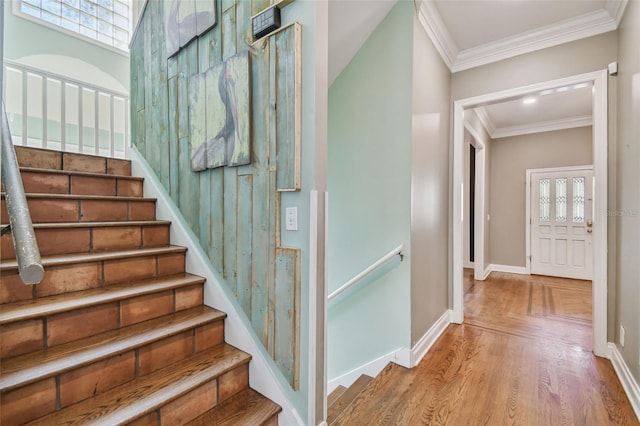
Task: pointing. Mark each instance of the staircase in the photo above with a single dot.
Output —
(117, 332)
(341, 399)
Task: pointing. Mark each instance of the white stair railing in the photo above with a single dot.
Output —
(352, 284)
(47, 110)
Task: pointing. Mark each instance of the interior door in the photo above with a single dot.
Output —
(561, 223)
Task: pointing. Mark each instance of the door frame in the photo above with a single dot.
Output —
(600, 128)
(528, 205)
(479, 272)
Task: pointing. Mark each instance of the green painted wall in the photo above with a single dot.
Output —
(24, 38)
(369, 184)
(234, 211)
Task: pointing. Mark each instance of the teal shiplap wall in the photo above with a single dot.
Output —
(369, 181)
(235, 211)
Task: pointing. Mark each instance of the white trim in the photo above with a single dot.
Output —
(313, 302)
(486, 273)
(486, 120)
(527, 219)
(425, 343)
(480, 208)
(508, 269)
(543, 126)
(629, 384)
(238, 331)
(616, 9)
(437, 31)
(371, 368)
(576, 28)
(599, 80)
(468, 265)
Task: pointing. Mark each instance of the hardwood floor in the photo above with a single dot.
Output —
(522, 357)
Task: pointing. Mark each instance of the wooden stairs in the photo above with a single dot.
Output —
(117, 331)
(342, 399)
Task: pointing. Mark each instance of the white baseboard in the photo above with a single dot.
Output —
(467, 264)
(372, 368)
(263, 373)
(630, 385)
(509, 269)
(424, 344)
(485, 273)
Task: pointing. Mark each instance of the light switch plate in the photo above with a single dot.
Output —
(291, 222)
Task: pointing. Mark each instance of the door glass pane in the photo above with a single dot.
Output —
(561, 200)
(545, 200)
(578, 199)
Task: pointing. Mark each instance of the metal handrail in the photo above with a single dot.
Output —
(24, 239)
(384, 259)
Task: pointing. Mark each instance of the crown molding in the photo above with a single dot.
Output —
(544, 126)
(616, 9)
(437, 31)
(486, 120)
(583, 26)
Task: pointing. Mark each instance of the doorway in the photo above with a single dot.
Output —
(599, 230)
(560, 222)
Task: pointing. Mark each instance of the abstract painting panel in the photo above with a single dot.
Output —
(187, 19)
(219, 115)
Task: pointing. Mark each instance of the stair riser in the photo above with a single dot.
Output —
(94, 239)
(88, 380)
(49, 210)
(29, 157)
(53, 183)
(31, 335)
(199, 400)
(84, 276)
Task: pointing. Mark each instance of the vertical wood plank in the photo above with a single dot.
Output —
(245, 231)
(243, 25)
(272, 103)
(204, 215)
(173, 138)
(287, 108)
(230, 227)
(274, 242)
(287, 312)
(142, 131)
(163, 101)
(258, 6)
(172, 67)
(192, 187)
(204, 43)
(261, 189)
(229, 33)
(216, 248)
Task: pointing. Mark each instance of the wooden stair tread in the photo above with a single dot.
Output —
(335, 395)
(18, 311)
(348, 397)
(32, 195)
(245, 408)
(25, 369)
(67, 259)
(132, 400)
(76, 173)
(64, 225)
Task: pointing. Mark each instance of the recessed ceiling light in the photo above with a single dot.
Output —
(528, 101)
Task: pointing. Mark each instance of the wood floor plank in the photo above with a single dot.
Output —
(521, 358)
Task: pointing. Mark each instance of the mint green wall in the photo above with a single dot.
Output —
(369, 179)
(224, 219)
(25, 38)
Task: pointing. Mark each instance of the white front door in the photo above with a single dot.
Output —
(561, 223)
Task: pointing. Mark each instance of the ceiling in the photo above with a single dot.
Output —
(470, 33)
